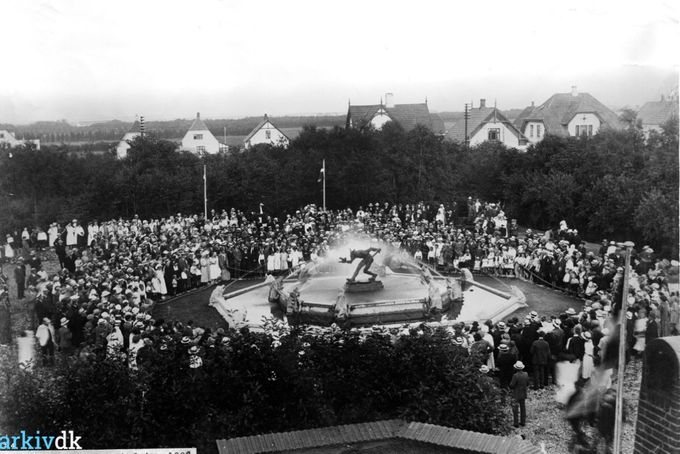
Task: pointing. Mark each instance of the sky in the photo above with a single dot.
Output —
(84, 60)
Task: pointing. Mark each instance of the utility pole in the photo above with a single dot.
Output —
(466, 115)
(141, 126)
(324, 185)
(618, 422)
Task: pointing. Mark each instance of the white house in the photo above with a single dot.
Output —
(8, 140)
(406, 115)
(654, 114)
(566, 114)
(266, 132)
(123, 146)
(199, 139)
(487, 124)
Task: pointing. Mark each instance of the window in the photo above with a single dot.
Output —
(200, 149)
(584, 130)
(531, 130)
(2, 135)
(268, 134)
(538, 130)
(494, 134)
(198, 136)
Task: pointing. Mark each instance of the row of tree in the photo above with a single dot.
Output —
(616, 184)
(64, 132)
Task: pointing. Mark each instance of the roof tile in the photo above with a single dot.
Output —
(377, 430)
(658, 112)
(560, 108)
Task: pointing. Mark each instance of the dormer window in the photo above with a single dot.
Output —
(584, 130)
(494, 134)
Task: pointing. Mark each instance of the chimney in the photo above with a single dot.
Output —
(482, 103)
(574, 90)
(532, 104)
(198, 115)
(389, 100)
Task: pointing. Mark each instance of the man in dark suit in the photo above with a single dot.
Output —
(20, 277)
(555, 340)
(540, 354)
(519, 385)
(505, 362)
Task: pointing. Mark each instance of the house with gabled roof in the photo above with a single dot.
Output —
(406, 115)
(124, 145)
(9, 140)
(654, 114)
(199, 139)
(266, 133)
(487, 124)
(566, 114)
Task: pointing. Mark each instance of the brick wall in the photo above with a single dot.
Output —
(657, 429)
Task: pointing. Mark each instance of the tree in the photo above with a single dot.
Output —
(656, 217)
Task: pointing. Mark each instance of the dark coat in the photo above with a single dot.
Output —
(576, 347)
(505, 363)
(540, 352)
(20, 275)
(555, 340)
(519, 385)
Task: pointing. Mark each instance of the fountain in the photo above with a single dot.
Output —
(399, 290)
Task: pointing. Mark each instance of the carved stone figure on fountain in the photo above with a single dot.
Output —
(366, 260)
(365, 257)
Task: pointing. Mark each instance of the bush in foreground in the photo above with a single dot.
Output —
(254, 383)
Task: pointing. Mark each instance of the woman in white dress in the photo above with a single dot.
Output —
(9, 248)
(588, 365)
(270, 262)
(639, 331)
(52, 234)
(214, 264)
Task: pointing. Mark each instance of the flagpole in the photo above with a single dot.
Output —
(205, 194)
(618, 422)
(324, 185)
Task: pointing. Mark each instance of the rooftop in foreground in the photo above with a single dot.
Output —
(393, 436)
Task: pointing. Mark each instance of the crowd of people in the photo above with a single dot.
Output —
(112, 273)
(157, 258)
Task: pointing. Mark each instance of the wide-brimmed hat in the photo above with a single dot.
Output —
(519, 365)
(503, 348)
(63, 321)
(571, 311)
(484, 369)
